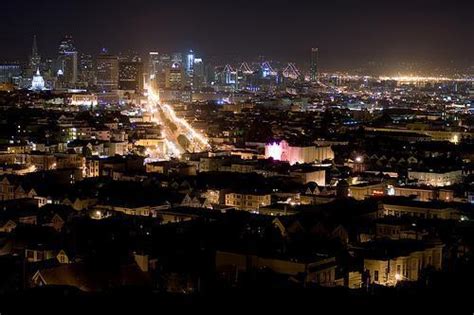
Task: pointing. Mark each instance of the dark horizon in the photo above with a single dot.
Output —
(349, 33)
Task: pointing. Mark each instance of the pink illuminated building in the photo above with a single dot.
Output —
(282, 151)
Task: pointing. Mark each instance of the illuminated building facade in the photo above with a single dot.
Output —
(363, 191)
(267, 70)
(84, 100)
(131, 76)
(424, 194)
(406, 265)
(248, 202)
(107, 72)
(86, 70)
(177, 58)
(174, 77)
(282, 151)
(291, 72)
(436, 179)
(158, 63)
(153, 63)
(189, 67)
(9, 71)
(229, 75)
(68, 60)
(419, 209)
(37, 83)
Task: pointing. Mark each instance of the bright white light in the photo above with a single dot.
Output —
(274, 151)
(173, 148)
(391, 191)
(455, 139)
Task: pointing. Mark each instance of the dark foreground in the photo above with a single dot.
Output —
(60, 300)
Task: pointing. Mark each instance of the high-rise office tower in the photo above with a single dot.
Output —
(189, 68)
(66, 45)
(153, 63)
(158, 64)
(48, 67)
(314, 64)
(86, 70)
(154, 70)
(107, 72)
(9, 72)
(165, 63)
(68, 60)
(166, 60)
(189, 64)
(174, 77)
(131, 75)
(177, 58)
(35, 58)
(229, 76)
(199, 74)
(267, 70)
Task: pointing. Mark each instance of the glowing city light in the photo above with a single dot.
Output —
(173, 149)
(198, 141)
(186, 126)
(455, 139)
(274, 151)
(413, 78)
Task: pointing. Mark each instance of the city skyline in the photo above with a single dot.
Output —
(348, 34)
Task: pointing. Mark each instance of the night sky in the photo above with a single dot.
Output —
(347, 32)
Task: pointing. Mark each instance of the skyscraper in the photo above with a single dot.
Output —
(86, 70)
(228, 76)
(199, 74)
(153, 63)
(68, 60)
(131, 75)
(189, 67)
(174, 77)
(107, 72)
(177, 58)
(314, 64)
(9, 72)
(158, 65)
(165, 63)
